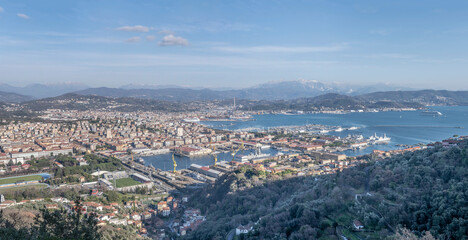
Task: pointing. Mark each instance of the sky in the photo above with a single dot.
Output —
(234, 44)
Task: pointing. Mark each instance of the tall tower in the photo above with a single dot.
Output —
(180, 132)
(175, 163)
(109, 133)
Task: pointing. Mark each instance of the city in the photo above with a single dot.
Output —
(98, 157)
(233, 120)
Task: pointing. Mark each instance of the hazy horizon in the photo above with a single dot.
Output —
(235, 44)
(150, 85)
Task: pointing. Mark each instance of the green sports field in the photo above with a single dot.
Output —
(21, 178)
(125, 182)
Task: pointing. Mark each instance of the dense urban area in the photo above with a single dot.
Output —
(87, 166)
(233, 120)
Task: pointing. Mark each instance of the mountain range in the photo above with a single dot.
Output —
(272, 91)
(14, 97)
(37, 91)
(267, 91)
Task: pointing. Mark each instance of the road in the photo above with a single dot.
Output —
(230, 234)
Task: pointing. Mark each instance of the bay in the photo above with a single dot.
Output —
(404, 128)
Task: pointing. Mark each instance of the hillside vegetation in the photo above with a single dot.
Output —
(424, 192)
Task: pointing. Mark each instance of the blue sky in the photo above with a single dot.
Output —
(418, 44)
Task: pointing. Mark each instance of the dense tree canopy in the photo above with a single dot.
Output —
(424, 191)
(58, 224)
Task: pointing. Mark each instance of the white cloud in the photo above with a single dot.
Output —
(171, 40)
(166, 32)
(150, 38)
(280, 49)
(133, 40)
(136, 28)
(22, 15)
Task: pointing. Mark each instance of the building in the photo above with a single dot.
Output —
(166, 211)
(357, 224)
(192, 151)
(205, 170)
(180, 132)
(244, 229)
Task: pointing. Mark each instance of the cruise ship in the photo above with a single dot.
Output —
(431, 113)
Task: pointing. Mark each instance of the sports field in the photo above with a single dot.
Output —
(125, 182)
(18, 179)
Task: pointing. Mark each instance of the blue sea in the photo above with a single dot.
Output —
(404, 128)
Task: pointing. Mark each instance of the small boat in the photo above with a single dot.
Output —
(339, 129)
(431, 113)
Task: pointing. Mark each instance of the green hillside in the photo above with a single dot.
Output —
(420, 191)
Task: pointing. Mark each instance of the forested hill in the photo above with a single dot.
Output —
(329, 101)
(421, 191)
(425, 97)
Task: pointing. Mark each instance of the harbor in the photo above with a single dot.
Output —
(404, 128)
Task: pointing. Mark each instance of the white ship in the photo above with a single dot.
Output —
(253, 156)
(374, 139)
(431, 113)
(339, 129)
(241, 117)
(192, 119)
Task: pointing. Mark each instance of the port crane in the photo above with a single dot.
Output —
(237, 150)
(215, 156)
(175, 163)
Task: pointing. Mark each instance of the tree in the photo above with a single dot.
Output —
(405, 234)
(113, 196)
(61, 224)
